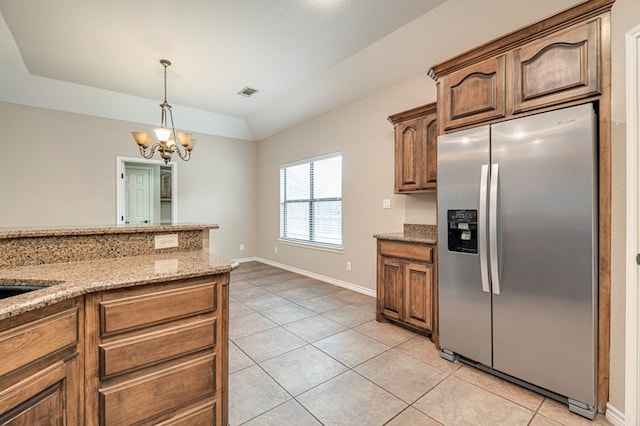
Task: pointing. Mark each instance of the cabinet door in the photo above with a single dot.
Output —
(561, 67)
(49, 397)
(430, 162)
(418, 279)
(473, 94)
(409, 144)
(391, 288)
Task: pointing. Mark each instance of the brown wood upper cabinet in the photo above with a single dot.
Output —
(557, 68)
(416, 133)
(554, 62)
(473, 94)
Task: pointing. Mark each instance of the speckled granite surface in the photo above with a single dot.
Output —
(55, 245)
(100, 230)
(415, 233)
(70, 262)
(71, 279)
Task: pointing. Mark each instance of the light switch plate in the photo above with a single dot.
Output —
(386, 203)
(166, 241)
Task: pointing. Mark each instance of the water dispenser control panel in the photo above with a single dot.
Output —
(463, 230)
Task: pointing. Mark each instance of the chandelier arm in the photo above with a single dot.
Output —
(185, 155)
(152, 150)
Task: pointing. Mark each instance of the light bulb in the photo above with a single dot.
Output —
(162, 133)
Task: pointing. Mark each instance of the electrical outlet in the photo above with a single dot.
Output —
(349, 266)
(386, 203)
(275, 249)
(166, 241)
(241, 247)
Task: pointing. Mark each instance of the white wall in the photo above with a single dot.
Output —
(361, 131)
(59, 168)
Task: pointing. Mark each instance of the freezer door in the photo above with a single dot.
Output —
(545, 316)
(464, 306)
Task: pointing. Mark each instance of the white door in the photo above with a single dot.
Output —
(138, 195)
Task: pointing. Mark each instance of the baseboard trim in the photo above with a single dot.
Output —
(247, 259)
(329, 280)
(614, 415)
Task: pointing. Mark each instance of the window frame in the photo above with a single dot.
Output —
(311, 201)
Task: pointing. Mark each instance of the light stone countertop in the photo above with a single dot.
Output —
(100, 230)
(407, 237)
(413, 233)
(72, 279)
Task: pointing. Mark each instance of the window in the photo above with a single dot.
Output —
(311, 201)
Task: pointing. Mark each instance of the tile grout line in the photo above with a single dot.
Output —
(362, 305)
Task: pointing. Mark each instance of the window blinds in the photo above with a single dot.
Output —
(311, 201)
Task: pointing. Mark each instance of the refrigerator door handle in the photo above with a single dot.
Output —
(482, 228)
(493, 230)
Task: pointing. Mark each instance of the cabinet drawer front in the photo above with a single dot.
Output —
(159, 392)
(151, 348)
(203, 415)
(406, 251)
(26, 343)
(139, 311)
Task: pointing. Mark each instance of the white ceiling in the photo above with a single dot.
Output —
(305, 57)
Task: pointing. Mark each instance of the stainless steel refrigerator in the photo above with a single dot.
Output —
(517, 250)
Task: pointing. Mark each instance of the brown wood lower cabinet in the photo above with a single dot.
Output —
(152, 354)
(159, 354)
(406, 285)
(40, 371)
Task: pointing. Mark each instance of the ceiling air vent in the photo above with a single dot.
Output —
(247, 91)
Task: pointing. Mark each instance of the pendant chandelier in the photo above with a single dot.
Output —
(165, 134)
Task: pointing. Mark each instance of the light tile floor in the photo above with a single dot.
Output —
(303, 352)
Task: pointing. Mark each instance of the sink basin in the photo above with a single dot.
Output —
(14, 290)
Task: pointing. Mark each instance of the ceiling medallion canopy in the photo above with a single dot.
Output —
(165, 134)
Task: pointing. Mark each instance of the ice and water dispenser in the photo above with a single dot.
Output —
(463, 230)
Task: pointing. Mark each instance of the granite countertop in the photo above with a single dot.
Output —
(100, 230)
(71, 279)
(413, 233)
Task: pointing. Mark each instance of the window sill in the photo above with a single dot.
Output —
(313, 246)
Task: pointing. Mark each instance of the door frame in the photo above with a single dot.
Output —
(632, 352)
(120, 190)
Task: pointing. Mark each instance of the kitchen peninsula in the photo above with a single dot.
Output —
(116, 331)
